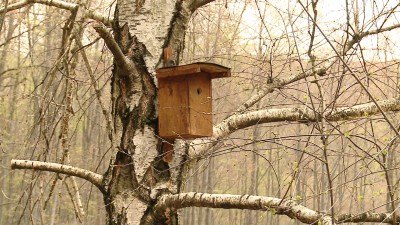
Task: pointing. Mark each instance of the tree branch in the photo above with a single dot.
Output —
(198, 3)
(90, 176)
(301, 114)
(276, 84)
(367, 217)
(113, 46)
(350, 70)
(277, 206)
(380, 30)
(62, 5)
(226, 201)
(241, 119)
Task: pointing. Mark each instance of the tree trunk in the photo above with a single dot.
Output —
(137, 175)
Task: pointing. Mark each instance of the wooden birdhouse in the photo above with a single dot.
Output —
(185, 99)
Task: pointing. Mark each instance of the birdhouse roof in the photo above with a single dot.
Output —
(215, 70)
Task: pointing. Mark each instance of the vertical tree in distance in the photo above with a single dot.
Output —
(138, 186)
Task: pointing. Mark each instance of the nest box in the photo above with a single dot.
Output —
(185, 99)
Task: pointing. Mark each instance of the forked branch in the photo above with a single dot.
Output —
(90, 176)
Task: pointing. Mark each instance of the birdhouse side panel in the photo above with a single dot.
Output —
(200, 100)
(173, 107)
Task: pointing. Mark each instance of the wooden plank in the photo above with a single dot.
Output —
(177, 71)
(168, 57)
(215, 70)
(185, 136)
(200, 106)
(173, 107)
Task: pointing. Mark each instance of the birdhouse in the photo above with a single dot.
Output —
(185, 99)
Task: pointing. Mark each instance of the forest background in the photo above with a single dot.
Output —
(325, 64)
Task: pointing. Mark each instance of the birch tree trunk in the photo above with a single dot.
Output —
(137, 175)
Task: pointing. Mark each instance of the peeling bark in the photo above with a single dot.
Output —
(137, 175)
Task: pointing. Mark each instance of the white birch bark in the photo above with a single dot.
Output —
(277, 206)
(300, 114)
(137, 175)
(227, 201)
(90, 176)
(145, 151)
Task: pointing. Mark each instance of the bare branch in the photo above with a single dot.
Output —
(104, 110)
(277, 84)
(277, 206)
(62, 5)
(3, 16)
(200, 146)
(226, 201)
(90, 176)
(350, 70)
(380, 30)
(74, 203)
(55, 3)
(113, 46)
(366, 217)
(79, 209)
(199, 3)
(91, 14)
(301, 114)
